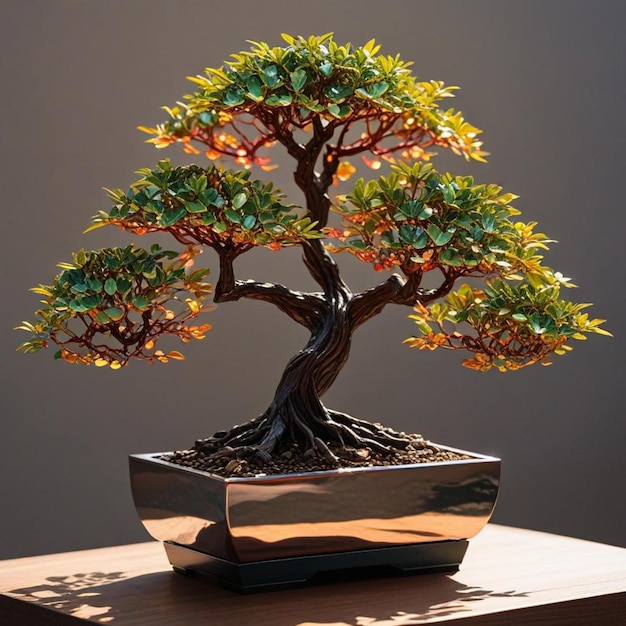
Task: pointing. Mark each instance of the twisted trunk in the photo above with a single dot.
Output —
(296, 412)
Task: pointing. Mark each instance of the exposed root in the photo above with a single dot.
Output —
(325, 451)
(254, 439)
(372, 435)
(330, 437)
(295, 455)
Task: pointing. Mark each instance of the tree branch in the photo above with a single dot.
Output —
(396, 290)
(425, 296)
(304, 308)
(371, 302)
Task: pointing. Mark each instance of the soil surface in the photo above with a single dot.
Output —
(294, 461)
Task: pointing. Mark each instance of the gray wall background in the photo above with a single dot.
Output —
(545, 80)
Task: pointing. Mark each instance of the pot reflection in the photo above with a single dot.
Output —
(272, 517)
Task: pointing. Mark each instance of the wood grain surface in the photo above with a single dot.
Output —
(509, 577)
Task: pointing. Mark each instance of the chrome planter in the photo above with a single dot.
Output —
(265, 531)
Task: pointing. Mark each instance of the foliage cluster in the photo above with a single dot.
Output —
(212, 207)
(314, 82)
(110, 305)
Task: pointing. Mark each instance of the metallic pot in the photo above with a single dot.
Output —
(265, 531)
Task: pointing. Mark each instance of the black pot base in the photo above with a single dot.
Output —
(440, 556)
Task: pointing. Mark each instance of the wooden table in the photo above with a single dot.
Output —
(509, 577)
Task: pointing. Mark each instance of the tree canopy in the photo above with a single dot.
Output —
(323, 103)
(313, 83)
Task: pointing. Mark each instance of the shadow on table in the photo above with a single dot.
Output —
(169, 598)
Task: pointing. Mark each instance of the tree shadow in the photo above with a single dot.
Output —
(361, 600)
(78, 595)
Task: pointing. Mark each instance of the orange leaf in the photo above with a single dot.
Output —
(345, 171)
(373, 164)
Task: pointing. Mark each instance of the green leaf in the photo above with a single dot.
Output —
(448, 257)
(141, 302)
(440, 238)
(207, 118)
(240, 199)
(194, 206)
(339, 110)
(255, 89)
(448, 194)
(110, 286)
(298, 79)
(270, 75)
(278, 100)
(170, 217)
(339, 92)
(102, 317)
(208, 196)
(536, 325)
(123, 285)
(249, 222)
(116, 313)
(326, 69)
(76, 305)
(359, 244)
(489, 223)
(420, 240)
(94, 284)
(233, 216)
(233, 97)
(410, 208)
(91, 302)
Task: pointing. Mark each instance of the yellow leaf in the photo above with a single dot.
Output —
(41, 291)
(115, 365)
(194, 305)
(100, 362)
(177, 356)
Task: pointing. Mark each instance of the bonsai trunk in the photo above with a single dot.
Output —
(296, 408)
(296, 412)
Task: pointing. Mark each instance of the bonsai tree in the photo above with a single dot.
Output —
(324, 104)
